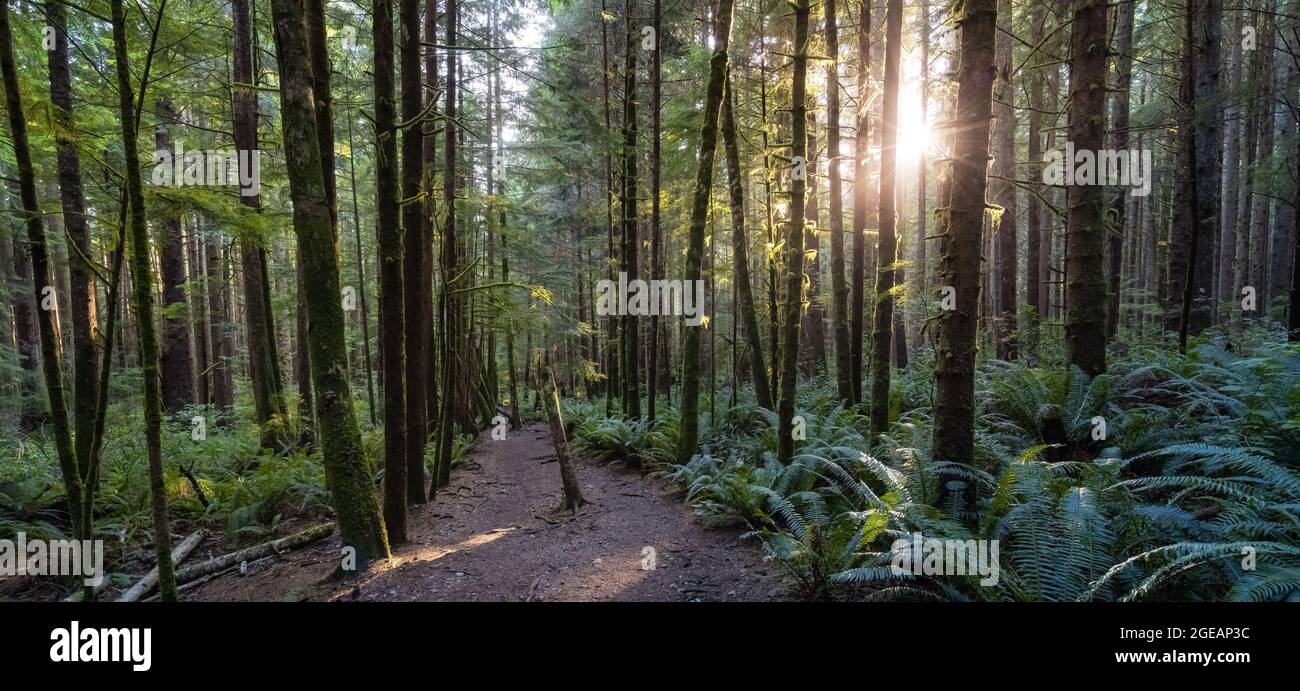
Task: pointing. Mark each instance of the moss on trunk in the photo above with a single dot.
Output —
(361, 526)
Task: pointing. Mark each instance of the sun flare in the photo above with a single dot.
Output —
(913, 129)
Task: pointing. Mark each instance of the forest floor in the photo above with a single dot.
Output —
(495, 534)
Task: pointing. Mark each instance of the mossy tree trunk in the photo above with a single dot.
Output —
(792, 306)
(887, 244)
(839, 288)
(361, 525)
(41, 275)
(142, 284)
(689, 406)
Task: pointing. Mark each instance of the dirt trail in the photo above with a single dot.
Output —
(494, 535)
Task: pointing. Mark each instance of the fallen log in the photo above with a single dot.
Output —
(150, 580)
(265, 549)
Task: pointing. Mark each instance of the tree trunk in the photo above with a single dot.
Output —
(611, 321)
(861, 181)
(263, 366)
(740, 245)
(391, 279)
(1293, 323)
(451, 332)
(794, 254)
(1034, 170)
(839, 288)
(899, 351)
(954, 376)
(142, 283)
(199, 308)
(1249, 142)
(1004, 191)
(430, 349)
(630, 369)
(26, 297)
(921, 274)
(361, 526)
(40, 275)
(812, 352)
(689, 406)
(302, 360)
(1085, 300)
(656, 270)
(223, 387)
(1202, 75)
(1282, 243)
(1232, 136)
(321, 89)
(177, 358)
(1260, 202)
(417, 291)
(882, 334)
(773, 256)
(73, 201)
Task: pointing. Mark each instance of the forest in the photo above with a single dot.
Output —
(663, 300)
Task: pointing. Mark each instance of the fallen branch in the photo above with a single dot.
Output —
(188, 472)
(265, 549)
(150, 580)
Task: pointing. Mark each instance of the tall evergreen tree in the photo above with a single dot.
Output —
(142, 285)
(861, 183)
(689, 409)
(417, 290)
(839, 288)
(740, 249)
(1004, 187)
(72, 198)
(882, 334)
(794, 254)
(361, 525)
(263, 361)
(962, 222)
(392, 281)
(1085, 288)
